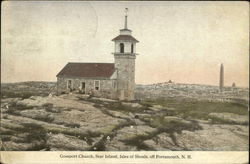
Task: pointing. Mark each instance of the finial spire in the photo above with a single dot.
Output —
(126, 17)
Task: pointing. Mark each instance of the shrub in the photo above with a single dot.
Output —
(72, 125)
(49, 108)
(36, 133)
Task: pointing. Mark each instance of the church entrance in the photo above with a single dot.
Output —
(83, 87)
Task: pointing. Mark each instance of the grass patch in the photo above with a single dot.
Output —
(217, 120)
(35, 133)
(6, 134)
(200, 109)
(5, 138)
(72, 125)
(178, 126)
(48, 106)
(12, 111)
(117, 106)
(16, 94)
(147, 103)
(25, 90)
(5, 131)
(16, 106)
(218, 107)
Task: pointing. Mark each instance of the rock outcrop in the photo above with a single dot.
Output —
(81, 123)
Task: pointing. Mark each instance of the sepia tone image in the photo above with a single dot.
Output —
(124, 76)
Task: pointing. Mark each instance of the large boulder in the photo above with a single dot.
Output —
(93, 121)
(116, 145)
(59, 102)
(73, 113)
(172, 118)
(14, 146)
(131, 132)
(131, 105)
(215, 138)
(67, 143)
(168, 119)
(156, 107)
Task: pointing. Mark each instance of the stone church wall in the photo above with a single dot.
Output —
(107, 87)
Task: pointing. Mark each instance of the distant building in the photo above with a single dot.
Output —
(233, 85)
(221, 85)
(111, 80)
(170, 81)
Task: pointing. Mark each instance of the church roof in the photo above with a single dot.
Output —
(125, 38)
(87, 70)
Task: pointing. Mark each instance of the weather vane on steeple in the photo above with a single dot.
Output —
(126, 11)
(126, 17)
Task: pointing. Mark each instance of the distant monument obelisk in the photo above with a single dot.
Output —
(221, 77)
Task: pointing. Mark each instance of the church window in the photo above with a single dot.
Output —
(132, 48)
(121, 48)
(70, 85)
(97, 85)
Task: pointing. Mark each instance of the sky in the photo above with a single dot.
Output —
(182, 41)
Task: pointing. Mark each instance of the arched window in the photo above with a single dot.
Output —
(132, 48)
(121, 48)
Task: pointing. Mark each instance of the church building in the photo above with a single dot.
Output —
(109, 80)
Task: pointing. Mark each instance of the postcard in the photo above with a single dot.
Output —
(124, 82)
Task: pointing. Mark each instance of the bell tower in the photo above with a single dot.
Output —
(125, 55)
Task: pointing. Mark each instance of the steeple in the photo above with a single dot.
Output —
(125, 43)
(125, 55)
(125, 30)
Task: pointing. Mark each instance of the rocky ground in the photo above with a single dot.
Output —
(192, 91)
(79, 122)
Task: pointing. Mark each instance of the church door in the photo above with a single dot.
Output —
(83, 87)
(121, 96)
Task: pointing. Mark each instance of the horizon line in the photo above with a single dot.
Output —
(136, 83)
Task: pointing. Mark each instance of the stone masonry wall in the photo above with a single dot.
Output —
(125, 65)
(107, 86)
